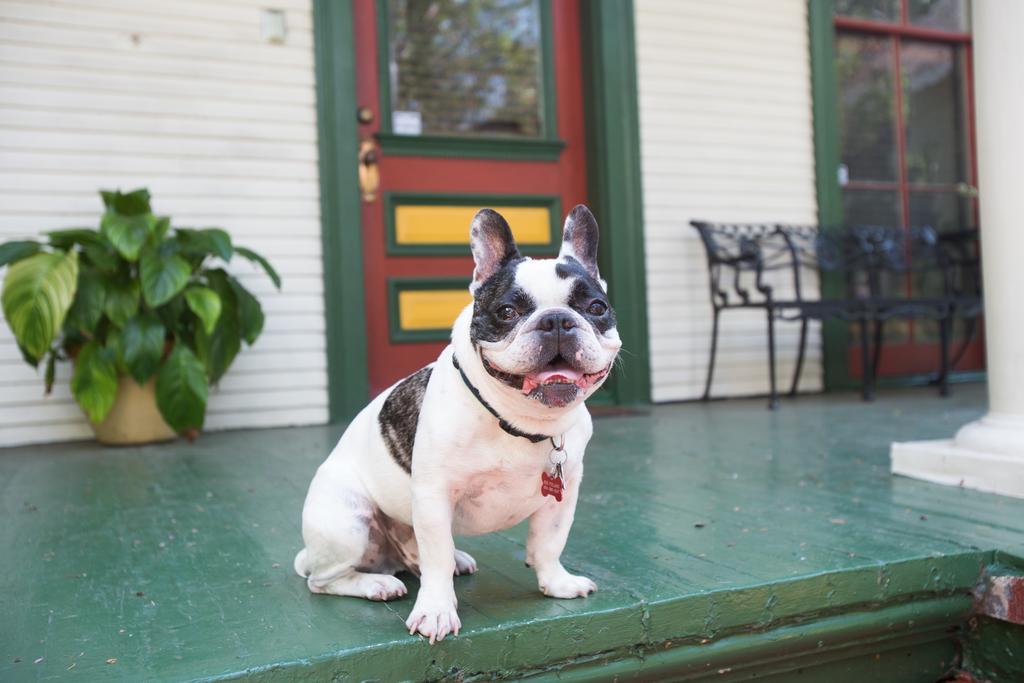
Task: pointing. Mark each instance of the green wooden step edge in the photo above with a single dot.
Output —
(912, 601)
(788, 649)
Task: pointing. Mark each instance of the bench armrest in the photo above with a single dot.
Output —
(733, 249)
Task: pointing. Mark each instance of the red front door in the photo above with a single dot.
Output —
(468, 105)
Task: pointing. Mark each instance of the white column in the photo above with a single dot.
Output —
(989, 454)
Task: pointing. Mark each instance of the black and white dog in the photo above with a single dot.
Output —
(490, 434)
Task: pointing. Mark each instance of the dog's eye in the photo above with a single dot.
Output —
(597, 308)
(507, 313)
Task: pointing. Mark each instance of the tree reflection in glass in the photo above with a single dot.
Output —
(467, 67)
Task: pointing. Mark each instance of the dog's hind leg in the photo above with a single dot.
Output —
(344, 545)
(464, 563)
(405, 551)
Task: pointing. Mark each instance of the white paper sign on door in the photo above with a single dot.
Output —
(406, 123)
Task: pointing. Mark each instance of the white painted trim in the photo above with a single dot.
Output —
(944, 462)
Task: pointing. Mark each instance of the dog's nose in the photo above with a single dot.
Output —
(556, 321)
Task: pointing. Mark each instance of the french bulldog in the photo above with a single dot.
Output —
(490, 434)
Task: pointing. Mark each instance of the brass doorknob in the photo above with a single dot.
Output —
(369, 173)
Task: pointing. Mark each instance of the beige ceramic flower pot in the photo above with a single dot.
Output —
(134, 419)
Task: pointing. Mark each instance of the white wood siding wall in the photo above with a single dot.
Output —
(182, 96)
(726, 135)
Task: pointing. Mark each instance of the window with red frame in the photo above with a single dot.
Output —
(906, 139)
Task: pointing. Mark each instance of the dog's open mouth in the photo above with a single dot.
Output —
(558, 371)
(556, 384)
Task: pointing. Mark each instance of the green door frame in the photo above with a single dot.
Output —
(340, 228)
(614, 181)
(826, 161)
(613, 170)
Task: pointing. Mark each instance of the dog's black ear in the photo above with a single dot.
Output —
(492, 243)
(579, 239)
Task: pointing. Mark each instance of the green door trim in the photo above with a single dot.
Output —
(614, 187)
(614, 182)
(834, 337)
(341, 231)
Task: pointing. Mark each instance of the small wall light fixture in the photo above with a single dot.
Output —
(273, 27)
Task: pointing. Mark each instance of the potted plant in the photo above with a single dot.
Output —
(146, 312)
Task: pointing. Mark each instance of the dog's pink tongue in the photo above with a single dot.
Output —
(531, 382)
(566, 372)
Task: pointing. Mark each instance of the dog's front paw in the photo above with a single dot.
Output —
(562, 584)
(434, 617)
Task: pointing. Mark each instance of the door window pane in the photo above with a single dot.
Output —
(864, 75)
(876, 10)
(948, 15)
(871, 207)
(933, 101)
(467, 68)
(944, 211)
(876, 207)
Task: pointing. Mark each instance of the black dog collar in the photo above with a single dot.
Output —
(502, 422)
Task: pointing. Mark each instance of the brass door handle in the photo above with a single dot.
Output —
(369, 173)
(965, 190)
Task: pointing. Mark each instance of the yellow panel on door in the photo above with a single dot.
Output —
(422, 225)
(430, 309)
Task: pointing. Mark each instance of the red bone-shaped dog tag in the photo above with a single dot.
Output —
(551, 485)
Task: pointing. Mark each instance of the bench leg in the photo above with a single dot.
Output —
(711, 361)
(970, 326)
(773, 399)
(867, 372)
(799, 357)
(877, 359)
(945, 330)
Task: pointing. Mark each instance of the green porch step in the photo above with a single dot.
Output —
(727, 542)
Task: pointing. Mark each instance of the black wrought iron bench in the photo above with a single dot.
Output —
(762, 266)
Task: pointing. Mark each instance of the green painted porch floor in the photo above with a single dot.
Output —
(725, 539)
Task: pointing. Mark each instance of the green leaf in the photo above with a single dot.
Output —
(122, 301)
(250, 313)
(256, 258)
(37, 294)
(16, 251)
(205, 303)
(51, 371)
(127, 233)
(102, 255)
(87, 308)
(210, 241)
(28, 357)
(163, 224)
(191, 241)
(170, 313)
(94, 381)
(65, 239)
(163, 275)
(134, 203)
(220, 242)
(217, 349)
(181, 390)
(141, 345)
